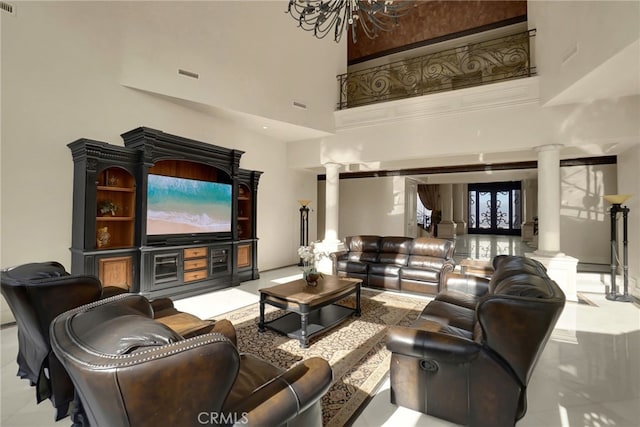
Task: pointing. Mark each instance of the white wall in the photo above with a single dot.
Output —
(251, 57)
(575, 37)
(584, 217)
(368, 206)
(62, 69)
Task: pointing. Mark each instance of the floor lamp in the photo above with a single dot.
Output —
(304, 224)
(616, 201)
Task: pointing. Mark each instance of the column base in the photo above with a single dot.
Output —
(446, 230)
(527, 231)
(561, 268)
(461, 228)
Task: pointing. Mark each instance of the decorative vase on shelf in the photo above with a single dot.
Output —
(103, 237)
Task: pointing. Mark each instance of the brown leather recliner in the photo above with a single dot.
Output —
(469, 356)
(36, 293)
(130, 370)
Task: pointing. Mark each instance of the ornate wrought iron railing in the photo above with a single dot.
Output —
(474, 64)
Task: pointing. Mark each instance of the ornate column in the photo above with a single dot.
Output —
(330, 243)
(549, 199)
(446, 227)
(561, 268)
(459, 196)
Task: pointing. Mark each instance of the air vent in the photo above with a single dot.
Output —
(8, 7)
(299, 105)
(188, 73)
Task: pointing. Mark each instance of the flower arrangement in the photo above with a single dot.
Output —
(308, 257)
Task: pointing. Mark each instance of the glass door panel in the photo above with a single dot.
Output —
(494, 208)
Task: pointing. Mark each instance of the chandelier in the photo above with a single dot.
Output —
(325, 16)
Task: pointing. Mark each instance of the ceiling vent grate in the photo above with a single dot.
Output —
(8, 8)
(300, 105)
(188, 73)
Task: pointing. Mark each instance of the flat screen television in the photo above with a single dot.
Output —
(184, 208)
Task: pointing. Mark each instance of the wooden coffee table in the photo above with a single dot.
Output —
(311, 309)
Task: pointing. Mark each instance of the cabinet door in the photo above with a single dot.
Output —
(116, 271)
(244, 256)
(167, 269)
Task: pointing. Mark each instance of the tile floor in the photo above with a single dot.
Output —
(589, 374)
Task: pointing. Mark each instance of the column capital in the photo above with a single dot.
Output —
(548, 147)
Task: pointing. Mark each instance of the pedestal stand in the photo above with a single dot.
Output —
(304, 225)
(614, 295)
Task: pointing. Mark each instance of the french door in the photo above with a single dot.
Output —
(495, 208)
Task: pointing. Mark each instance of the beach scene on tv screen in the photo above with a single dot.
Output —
(183, 206)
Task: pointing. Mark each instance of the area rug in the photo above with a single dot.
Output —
(355, 348)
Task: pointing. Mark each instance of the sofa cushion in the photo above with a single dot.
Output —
(455, 315)
(417, 274)
(393, 244)
(420, 261)
(352, 267)
(525, 285)
(427, 246)
(442, 327)
(506, 266)
(363, 243)
(384, 270)
(392, 258)
(362, 256)
(462, 299)
(129, 330)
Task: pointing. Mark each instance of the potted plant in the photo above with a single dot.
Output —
(107, 207)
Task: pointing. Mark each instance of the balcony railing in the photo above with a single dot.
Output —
(474, 64)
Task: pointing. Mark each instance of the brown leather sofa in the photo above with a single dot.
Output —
(38, 292)
(469, 356)
(397, 263)
(130, 370)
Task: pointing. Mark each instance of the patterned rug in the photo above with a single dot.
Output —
(355, 348)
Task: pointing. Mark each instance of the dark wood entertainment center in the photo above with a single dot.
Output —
(109, 232)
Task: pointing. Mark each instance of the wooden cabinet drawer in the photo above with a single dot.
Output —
(195, 253)
(195, 264)
(190, 276)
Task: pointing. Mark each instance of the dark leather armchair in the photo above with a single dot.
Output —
(36, 293)
(130, 370)
(469, 356)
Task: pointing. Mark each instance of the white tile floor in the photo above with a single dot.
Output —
(589, 374)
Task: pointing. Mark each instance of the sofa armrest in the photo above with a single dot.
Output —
(448, 266)
(465, 283)
(287, 395)
(426, 344)
(335, 256)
